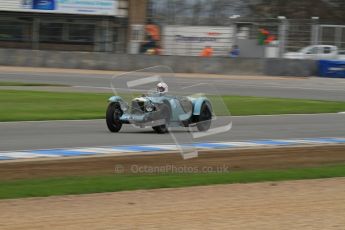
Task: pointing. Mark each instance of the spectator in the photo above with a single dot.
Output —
(152, 30)
(207, 52)
(235, 51)
(151, 45)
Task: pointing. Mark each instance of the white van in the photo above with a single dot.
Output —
(316, 52)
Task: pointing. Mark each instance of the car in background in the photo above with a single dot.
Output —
(317, 52)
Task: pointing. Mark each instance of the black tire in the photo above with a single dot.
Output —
(205, 117)
(165, 114)
(113, 115)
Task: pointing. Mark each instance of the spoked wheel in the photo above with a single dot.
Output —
(113, 115)
(205, 117)
(165, 114)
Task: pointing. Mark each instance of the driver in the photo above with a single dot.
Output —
(162, 88)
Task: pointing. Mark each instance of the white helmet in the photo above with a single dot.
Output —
(162, 87)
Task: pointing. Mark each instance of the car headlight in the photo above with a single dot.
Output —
(149, 107)
(124, 107)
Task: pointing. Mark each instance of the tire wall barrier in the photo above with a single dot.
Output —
(180, 64)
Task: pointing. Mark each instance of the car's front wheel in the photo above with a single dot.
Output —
(113, 115)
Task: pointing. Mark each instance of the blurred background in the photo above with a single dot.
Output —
(247, 28)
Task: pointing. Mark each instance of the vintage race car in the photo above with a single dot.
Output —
(159, 111)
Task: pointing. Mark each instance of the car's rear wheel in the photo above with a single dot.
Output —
(165, 115)
(113, 115)
(205, 117)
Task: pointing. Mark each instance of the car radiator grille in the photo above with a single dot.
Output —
(138, 107)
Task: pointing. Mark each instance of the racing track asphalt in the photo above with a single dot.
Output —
(308, 88)
(64, 134)
(92, 133)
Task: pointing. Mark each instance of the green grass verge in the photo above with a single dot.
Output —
(239, 105)
(8, 83)
(17, 105)
(113, 183)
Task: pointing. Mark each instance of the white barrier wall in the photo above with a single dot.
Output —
(191, 40)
